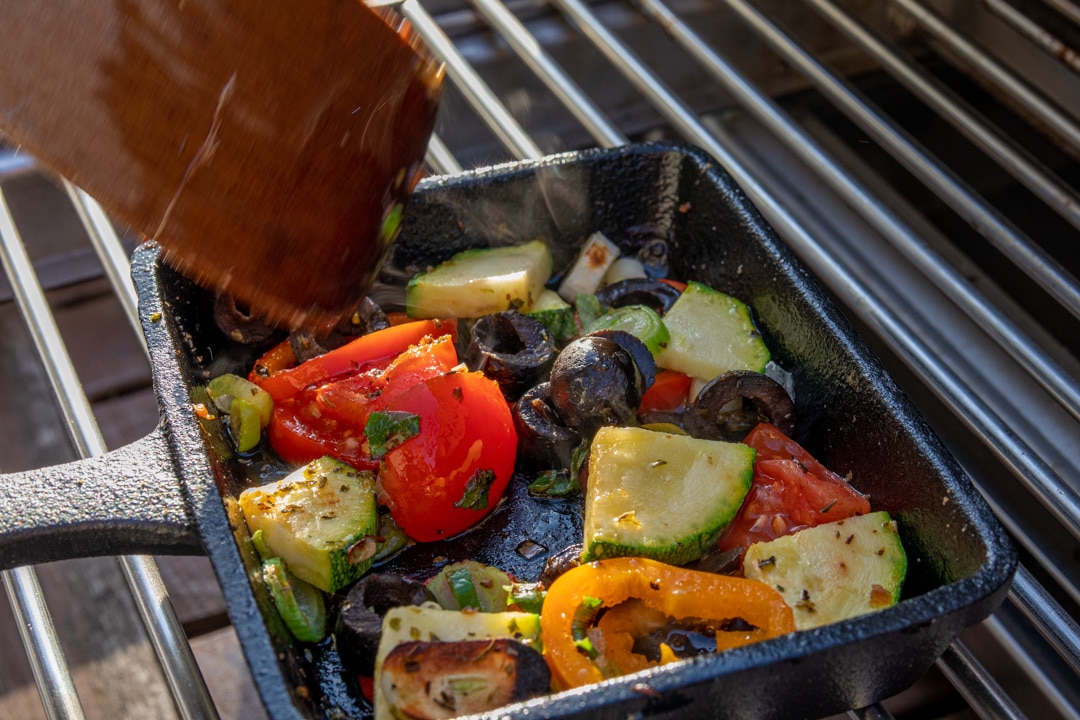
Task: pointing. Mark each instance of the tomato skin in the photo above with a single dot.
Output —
(356, 397)
(299, 434)
(465, 427)
(668, 392)
(790, 491)
(366, 351)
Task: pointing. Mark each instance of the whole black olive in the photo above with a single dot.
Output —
(595, 382)
(359, 624)
(730, 405)
(544, 440)
(638, 291)
(512, 349)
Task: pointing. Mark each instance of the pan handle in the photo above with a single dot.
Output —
(127, 501)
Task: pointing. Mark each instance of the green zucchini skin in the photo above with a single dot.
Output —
(660, 495)
(481, 281)
(710, 334)
(314, 519)
(834, 571)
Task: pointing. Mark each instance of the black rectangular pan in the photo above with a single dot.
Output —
(174, 492)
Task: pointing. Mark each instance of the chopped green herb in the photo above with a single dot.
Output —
(386, 430)
(475, 496)
(554, 483)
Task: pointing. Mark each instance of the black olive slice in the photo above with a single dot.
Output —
(730, 405)
(595, 382)
(638, 291)
(512, 349)
(239, 324)
(566, 559)
(366, 317)
(359, 624)
(544, 440)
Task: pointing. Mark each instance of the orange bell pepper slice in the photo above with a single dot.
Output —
(663, 590)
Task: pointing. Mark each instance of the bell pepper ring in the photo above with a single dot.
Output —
(580, 595)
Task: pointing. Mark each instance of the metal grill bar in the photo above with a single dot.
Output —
(1045, 112)
(479, 95)
(1034, 32)
(151, 598)
(851, 274)
(1005, 236)
(1016, 161)
(1057, 495)
(979, 687)
(1066, 8)
(38, 634)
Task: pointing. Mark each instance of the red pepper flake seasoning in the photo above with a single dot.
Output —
(684, 207)
(201, 411)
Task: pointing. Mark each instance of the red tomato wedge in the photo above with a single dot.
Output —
(356, 397)
(791, 491)
(299, 433)
(447, 478)
(668, 392)
(379, 347)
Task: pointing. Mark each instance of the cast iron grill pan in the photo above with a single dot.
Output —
(174, 492)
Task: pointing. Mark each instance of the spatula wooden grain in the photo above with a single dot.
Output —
(266, 144)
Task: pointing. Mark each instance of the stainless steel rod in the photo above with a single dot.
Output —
(1038, 364)
(472, 86)
(986, 220)
(14, 164)
(1033, 668)
(1014, 160)
(977, 686)
(549, 72)
(1066, 8)
(110, 251)
(59, 697)
(440, 159)
(164, 629)
(1045, 112)
(1051, 44)
(1055, 625)
(1058, 496)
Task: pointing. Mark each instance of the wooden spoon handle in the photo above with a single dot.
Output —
(261, 143)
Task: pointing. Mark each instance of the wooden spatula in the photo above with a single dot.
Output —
(266, 144)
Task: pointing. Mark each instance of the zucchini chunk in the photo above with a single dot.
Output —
(710, 334)
(430, 623)
(445, 679)
(834, 571)
(300, 604)
(482, 281)
(556, 314)
(318, 520)
(661, 495)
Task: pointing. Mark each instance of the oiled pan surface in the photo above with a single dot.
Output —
(850, 415)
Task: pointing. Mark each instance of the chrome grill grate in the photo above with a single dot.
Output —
(920, 157)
